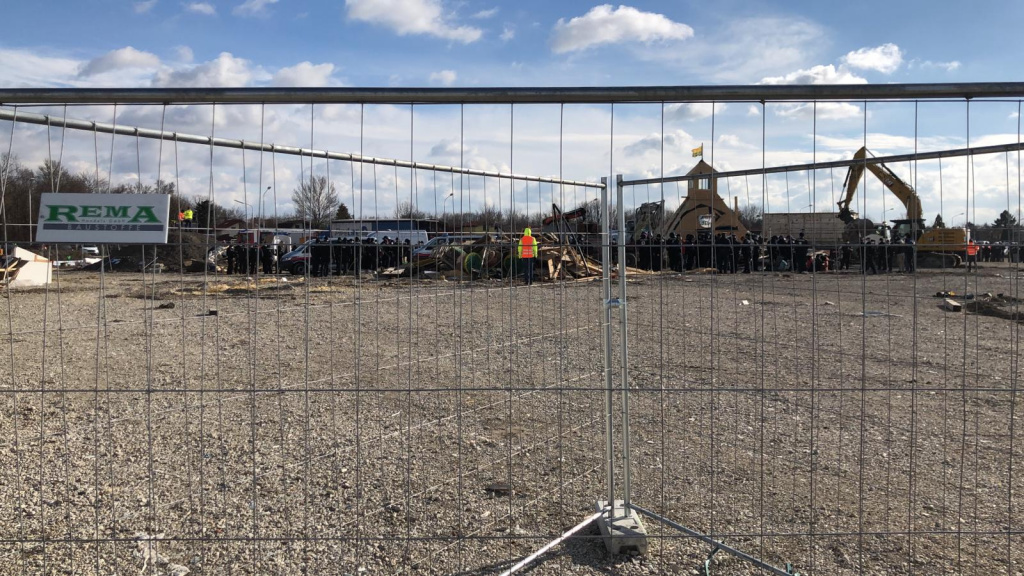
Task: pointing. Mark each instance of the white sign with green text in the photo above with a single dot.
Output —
(103, 218)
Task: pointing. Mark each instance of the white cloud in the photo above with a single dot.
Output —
(1014, 115)
(950, 66)
(120, 59)
(822, 74)
(753, 110)
(204, 8)
(407, 17)
(453, 153)
(886, 58)
(604, 25)
(23, 68)
(735, 141)
(304, 74)
(690, 111)
(508, 33)
(823, 110)
(143, 7)
(484, 14)
(225, 70)
(672, 143)
(184, 54)
(743, 50)
(252, 7)
(443, 77)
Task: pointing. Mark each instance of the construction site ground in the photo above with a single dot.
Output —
(842, 423)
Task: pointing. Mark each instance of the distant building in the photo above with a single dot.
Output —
(823, 228)
(366, 225)
(703, 211)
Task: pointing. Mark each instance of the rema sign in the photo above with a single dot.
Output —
(103, 218)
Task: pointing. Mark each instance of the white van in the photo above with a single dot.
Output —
(427, 250)
(415, 237)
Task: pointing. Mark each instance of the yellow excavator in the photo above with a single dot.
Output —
(936, 247)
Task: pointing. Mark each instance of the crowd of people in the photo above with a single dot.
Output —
(727, 253)
(246, 258)
(349, 255)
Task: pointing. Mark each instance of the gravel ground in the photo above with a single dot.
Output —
(842, 423)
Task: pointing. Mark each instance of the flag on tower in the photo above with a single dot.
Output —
(698, 151)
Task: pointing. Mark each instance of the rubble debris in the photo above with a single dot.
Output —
(498, 488)
(24, 269)
(493, 256)
(183, 252)
(1000, 306)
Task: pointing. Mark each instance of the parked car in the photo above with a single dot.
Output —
(297, 260)
(427, 250)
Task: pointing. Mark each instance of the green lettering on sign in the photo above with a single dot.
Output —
(91, 211)
(57, 211)
(116, 212)
(145, 214)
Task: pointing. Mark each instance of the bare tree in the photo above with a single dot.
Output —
(406, 211)
(751, 216)
(316, 201)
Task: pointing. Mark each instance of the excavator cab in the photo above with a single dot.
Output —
(901, 228)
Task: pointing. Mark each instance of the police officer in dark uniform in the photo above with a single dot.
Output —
(800, 255)
(267, 257)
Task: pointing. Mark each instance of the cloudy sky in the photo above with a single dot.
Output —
(476, 43)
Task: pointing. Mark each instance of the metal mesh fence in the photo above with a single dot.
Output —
(369, 407)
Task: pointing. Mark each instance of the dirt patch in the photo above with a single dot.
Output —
(999, 306)
(436, 428)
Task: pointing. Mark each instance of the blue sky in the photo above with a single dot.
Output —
(411, 42)
(531, 43)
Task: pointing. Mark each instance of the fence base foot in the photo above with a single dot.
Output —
(622, 530)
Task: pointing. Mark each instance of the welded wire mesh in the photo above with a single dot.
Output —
(361, 408)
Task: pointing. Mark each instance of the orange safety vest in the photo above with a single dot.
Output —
(527, 243)
(972, 249)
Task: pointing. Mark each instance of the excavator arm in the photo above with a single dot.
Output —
(903, 191)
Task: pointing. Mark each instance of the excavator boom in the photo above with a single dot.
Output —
(903, 191)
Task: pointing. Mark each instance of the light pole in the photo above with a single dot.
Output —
(262, 211)
(444, 204)
(246, 211)
(952, 222)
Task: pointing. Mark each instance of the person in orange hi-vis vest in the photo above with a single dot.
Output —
(527, 254)
(972, 255)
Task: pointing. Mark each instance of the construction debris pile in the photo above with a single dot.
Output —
(494, 256)
(184, 252)
(23, 269)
